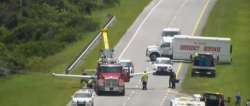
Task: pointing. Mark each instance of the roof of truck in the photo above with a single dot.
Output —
(171, 29)
(203, 37)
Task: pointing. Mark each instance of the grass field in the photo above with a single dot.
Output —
(39, 88)
(229, 18)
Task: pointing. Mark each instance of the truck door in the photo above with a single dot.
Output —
(165, 49)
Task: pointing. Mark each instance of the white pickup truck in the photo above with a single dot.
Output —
(162, 66)
(182, 47)
(83, 98)
(167, 34)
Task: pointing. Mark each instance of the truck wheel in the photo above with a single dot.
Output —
(193, 74)
(153, 56)
(123, 92)
(213, 75)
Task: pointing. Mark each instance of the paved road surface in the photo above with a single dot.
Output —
(189, 15)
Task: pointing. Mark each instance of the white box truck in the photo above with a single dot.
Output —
(182, 47)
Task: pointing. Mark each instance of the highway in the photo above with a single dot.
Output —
(188, 15)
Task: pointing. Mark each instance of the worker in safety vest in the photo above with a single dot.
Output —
(144, 80)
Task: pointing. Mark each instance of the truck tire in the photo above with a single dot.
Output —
(153, 56)
(213, 75)
(123, 92)
(193, 74)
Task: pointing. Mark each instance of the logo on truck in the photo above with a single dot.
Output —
(190, 47)
(196, 47)
(212, 49)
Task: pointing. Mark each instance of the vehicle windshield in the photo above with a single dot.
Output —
(204, 60)
(111, 69)
(212, 97)
(82, 95)
(164, 45)
(126, 64)
(160, 61)
(170, 33)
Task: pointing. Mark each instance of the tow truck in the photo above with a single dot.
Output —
(111, 75)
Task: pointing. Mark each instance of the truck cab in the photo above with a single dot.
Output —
(165, 47)
(203, 64)
(111, 78)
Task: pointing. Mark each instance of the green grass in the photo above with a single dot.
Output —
(39, 88)
(229, 18)
(36, 89)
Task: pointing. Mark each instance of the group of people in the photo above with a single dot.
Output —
(172, 80)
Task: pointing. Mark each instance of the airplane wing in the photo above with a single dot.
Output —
(140, 73)
(75, 76)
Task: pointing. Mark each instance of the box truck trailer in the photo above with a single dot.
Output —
(182, 47)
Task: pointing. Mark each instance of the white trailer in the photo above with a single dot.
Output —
(182, 47)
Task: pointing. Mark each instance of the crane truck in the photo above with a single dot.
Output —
(111, 75)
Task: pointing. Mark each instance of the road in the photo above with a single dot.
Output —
(188, 15)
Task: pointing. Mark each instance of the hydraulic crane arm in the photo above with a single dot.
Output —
(105, 39)
(106, 52)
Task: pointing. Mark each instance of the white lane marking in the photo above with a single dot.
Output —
(164, 98)
(137, 30)
(129, 97)
(178, 11)
(193, 32)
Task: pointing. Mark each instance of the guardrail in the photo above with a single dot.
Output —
(86, 49)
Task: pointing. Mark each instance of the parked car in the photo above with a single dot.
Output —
(83, 98)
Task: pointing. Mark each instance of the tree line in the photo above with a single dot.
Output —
(39, 28)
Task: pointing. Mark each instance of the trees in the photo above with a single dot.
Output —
(39, 28)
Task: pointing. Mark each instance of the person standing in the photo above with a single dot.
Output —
(144, 80)
(238, 99)
(172, 79)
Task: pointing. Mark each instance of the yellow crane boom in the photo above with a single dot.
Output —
(105, 38)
